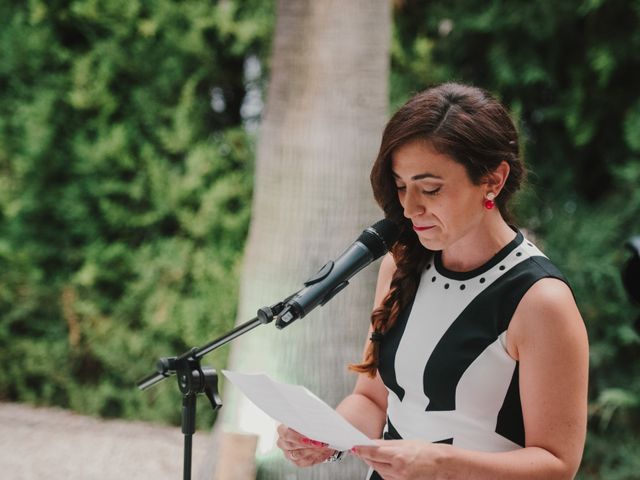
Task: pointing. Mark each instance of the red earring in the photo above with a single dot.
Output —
(489, 203)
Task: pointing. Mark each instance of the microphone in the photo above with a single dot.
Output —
(372, 243)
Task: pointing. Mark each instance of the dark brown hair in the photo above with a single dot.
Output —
(470, 126)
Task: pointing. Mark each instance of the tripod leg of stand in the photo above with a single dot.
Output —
(188, 439)
(188, 429)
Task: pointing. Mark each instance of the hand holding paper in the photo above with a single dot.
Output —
(298, 408)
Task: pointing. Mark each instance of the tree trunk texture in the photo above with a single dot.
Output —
(326, 107)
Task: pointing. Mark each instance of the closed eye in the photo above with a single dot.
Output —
(432, 192)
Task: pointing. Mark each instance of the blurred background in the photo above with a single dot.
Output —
(128, 133)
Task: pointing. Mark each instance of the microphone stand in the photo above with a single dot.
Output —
(194, 379)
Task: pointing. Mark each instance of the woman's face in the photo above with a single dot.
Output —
(437, 195)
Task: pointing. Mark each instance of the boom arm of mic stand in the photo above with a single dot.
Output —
(166, 367)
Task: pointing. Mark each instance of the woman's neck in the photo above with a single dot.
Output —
(478, 246)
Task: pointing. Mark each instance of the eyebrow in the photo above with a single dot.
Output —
(420, 176)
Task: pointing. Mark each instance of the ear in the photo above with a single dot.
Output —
(496, 179)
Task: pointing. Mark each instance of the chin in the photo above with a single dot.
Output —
(431, 244)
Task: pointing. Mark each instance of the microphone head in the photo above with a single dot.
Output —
(380, 237)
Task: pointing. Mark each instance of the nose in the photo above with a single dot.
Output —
(412, 204)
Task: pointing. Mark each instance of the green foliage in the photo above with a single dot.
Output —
(586, 240)
(569, 71)
(125, 178)
(124, 192)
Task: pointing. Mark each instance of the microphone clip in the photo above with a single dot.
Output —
(267, 314)
(290, 311)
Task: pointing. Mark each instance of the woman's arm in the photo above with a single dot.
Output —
(366, 407)
(548, 338)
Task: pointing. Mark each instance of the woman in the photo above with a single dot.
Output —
(477, 359)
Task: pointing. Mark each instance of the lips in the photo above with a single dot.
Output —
(422, 229)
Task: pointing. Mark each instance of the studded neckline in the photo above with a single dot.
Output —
(492, 262)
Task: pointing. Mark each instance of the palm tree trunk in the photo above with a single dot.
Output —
(326, 106)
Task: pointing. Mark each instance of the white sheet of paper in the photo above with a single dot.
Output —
(298, 408)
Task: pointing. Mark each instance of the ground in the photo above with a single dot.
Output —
(54, 444)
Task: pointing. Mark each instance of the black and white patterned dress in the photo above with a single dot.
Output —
(445, 362)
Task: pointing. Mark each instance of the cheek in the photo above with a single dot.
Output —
(453, 211)
(443, 207)
(469, 210)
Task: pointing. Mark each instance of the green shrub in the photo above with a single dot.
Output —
(124, 192)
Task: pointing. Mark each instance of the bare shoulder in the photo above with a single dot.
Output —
(388, 266)
(385, 274)
(547, 313)
(550, 299)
